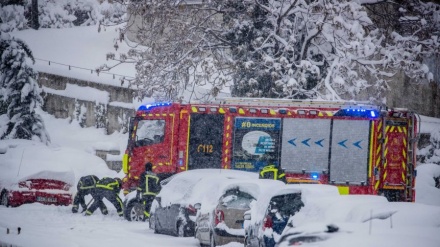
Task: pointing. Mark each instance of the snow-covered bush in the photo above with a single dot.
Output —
(433, 150)
(111, 13)
(61, 14)
(12, 18)
(69, 13)
(55, 14)
(80, 114)
(123, 121)
(100, 116)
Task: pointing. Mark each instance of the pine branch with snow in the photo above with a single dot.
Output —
(20, 91)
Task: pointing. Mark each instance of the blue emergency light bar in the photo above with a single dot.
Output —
(314, 176)
(351, 112)
(151, 106)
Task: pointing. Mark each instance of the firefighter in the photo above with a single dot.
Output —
(86, 186)
(109, 189)
(148, 188)
(272, 172)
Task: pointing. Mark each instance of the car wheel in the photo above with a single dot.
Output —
(180, 229)
(246, 241)
(155, 227)
(212, 241)
(134, 211)
(4, 199)
(152, 222)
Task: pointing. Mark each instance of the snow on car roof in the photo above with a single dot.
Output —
(258, 207)
(24, 158)
(253, 187)
(182, 187)
(67, 177)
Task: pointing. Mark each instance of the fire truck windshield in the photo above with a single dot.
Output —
(150, 132)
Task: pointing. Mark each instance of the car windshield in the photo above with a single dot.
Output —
(236, 199)
(286, 205)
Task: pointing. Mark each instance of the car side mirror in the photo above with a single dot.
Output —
(247, 216)
(197, 206)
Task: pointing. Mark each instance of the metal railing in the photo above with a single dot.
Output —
(70, 67)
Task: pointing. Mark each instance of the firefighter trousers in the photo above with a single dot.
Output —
(147, 200)
(79, 199)
(110, 195)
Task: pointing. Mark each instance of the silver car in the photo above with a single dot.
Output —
(223, 223)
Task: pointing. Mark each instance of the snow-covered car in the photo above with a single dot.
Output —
(222, 223)
(173, 211)
(269, 215)
(46, 187)
(310, 235)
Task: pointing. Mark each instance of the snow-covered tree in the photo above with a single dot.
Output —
(69, 13)
(12, 18)
(175, 53)
(58, 13)
(328, 49)
(20, 91)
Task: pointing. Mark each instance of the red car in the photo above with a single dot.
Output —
(51, 188)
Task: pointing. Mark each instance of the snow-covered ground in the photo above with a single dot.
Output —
(72, 149)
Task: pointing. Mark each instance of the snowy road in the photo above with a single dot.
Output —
(39, 223)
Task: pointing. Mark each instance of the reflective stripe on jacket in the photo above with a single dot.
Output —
(149, 184)
(87, 182)
(272, 172)
(109, 184)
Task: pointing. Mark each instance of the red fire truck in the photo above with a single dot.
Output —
(359, 147)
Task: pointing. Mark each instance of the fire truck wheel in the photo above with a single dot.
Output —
(134, 211)
(4, 198)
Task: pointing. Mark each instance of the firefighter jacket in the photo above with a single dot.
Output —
(148, 184)
(87, 183)
(272, 172)
(109, 184)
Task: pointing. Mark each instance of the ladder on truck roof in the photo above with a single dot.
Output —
(410, 167)
(295, 103)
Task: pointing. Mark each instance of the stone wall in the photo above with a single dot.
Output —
(110, 116)
(422, 98)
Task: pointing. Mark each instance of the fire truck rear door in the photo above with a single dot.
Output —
(395, 146)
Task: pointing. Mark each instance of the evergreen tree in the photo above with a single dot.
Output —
(19, 89)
